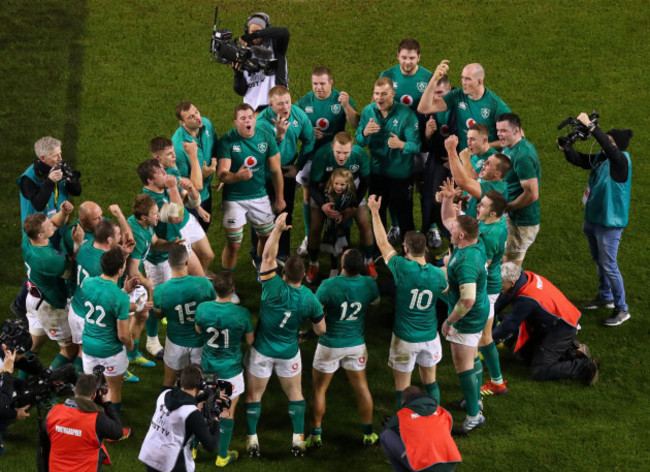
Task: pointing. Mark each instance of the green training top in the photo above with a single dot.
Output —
(417, 288)
(525, 165)
(401, 121)
(253, 153)
(485, 110)
(104, 305)
(283, 309)
(469, 265)
(44, 268)
(408, 88)
(328, 115)
(178, 299)
(494, 238)
(206, 142)
(345, 301)
(223, 327)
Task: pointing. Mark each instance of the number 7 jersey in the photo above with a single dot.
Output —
(417, 288)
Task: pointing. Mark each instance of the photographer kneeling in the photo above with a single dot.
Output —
(73, 431)
(607, 208)
(176, 422)
(7, 411)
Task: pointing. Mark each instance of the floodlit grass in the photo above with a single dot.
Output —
(105, 76)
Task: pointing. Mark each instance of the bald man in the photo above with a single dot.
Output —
(90, 214)
(474, 102)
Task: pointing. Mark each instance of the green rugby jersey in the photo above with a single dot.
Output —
(401, 121)
(494, 237)
(67, 244)
(44, 268)
(485, 110)
(417, 288)
(143, 237)
(223, 328)
(477, 161)
(206, 142)
(408, 88)
(88, 263)
(324, 163)
(525, 165)
(178, 299)
(253, 153)
(300, 128)
(283, 310)
(168, 231)
(469, 265)
(345, 301)
(328, 115)
(497, 185)
(104, 304)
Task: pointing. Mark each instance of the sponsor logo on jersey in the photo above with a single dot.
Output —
(336, 109)
(329, 169)
(485, 113)
(309, 109)
(421, 86)
(462, 106)
(207, 133)
(250, 161)
(296, 124)
(406, 100)
(354, 168)
(322, 124)
(395, 122)
(394, 85)
(262, 147)
(469, 122)
(236, 148)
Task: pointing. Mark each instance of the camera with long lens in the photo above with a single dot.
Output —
(211, 388)
(15, 336)
(580, 132)
(42, 388)
(226, 50)
(102, 387)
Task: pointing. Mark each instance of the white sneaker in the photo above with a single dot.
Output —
(298, 445)
(154, 347)
(253, 445)
(302, 250)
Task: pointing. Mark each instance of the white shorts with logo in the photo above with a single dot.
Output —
(237, 385)
(404, 355)
(191, 233)
(262, 367)
(138, 293)
(77, 324)
(302, 177)
(466, 339)
(53, 321)
(178, 357)
(328, 359)
(257, 210)
(158, 273)
(35, 326)
(114, 366)
(492, 298)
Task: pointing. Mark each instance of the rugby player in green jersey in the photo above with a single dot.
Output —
(47, 269)
(106, 330)
(290, 124)
(177, 300)
(469, 306)
(523, 182)
(223, 326)
(328, 110)
(245, 152)
(478, 149)
(345, 299)
(285, 305)
(490, 178)
(341, 154)
(418, 285)
(474, 102)
(493, 233)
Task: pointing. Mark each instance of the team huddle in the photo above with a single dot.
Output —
(462, 148)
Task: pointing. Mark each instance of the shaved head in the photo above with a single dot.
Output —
(90, 214)
(476, 70)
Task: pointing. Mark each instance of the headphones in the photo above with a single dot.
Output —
(263, 16)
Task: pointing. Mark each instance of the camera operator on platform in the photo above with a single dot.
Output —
(72, 433)
(175, 423)
(607, 207)
(255, 86)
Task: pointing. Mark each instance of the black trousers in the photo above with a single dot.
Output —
(289, 197)
(432, 178)
(396, 194)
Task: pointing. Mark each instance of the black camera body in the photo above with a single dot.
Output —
(211, 388)
(66, 170)
(44, 387)
(102, 388)
(226, 50)
(15, 336)
(579, 132)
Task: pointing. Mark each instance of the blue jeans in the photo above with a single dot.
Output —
(603, 243)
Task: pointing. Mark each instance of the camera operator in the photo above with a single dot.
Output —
(255, 87)
(607, 207)
(176, 421)
(72, 434)
(9, 414)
